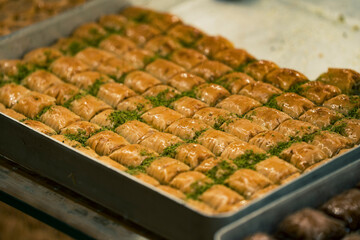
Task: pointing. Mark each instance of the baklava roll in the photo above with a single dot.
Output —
(349, 128)
(109, 162)
(66, 67)
(187, 58)
(135, 103)
(343, 104)
(161, 117)
(58, 117)
(135, 131)
(140, 33)
(132, 155)
(85, 80)
(211, 93)
(211, 45)
(192, 154)
(260, 91)
(296, 128)
(268, 139)
(88, 106)
(162, 45)
(216, 141)
(164, 169)
(275, 169)
(246, 182)
(158, 141)
(238, 148)
(187, 128)
(331, 143)
(140, 81)
(234, 57)
(293, 104)
(318, 92)
(11, 93)
(33, 103)
(187, 182)
(346, 80)
(222, 199)
(163, 21)
(106, 142)
(91, 33)
(40, 81)
(211, 70)
(117, 44)
(113, 22)
(320, 116)
(40, 127)
(185, 81)
(185, 34)
(260, 68)
(81, 128)
(138, 58)
(10, 68)
(243, 128)
(267, 117)
(188, 106)
(163, 70)
(236, 81)
(147, 179)
(42, 57)
(285, 78)
(172, 192)
(93, 57)
(103, 119)
(115, 68)
(113, 93)
(70, 46)
(302, 155)
(213, 117)
(238, 104)
(62, 92)
(166, 92)
(13, 114)
(206, 165)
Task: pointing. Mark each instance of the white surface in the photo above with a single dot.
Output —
(306, 35)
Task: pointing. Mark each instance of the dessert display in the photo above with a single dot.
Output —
(183, 111)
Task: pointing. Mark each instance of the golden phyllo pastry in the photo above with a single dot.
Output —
(11, 93)
(59, 117)
(106, 142)
(40, 127)
(40, 81)
(33, 103)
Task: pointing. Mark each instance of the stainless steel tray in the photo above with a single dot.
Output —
(115, 190)
(312, 195)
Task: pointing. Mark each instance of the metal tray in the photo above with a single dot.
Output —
(313, 195)
(115, 190)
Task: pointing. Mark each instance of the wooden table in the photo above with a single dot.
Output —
(61, 208)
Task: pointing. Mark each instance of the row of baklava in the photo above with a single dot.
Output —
(16, 14)
(213, 106)
(338, 218)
